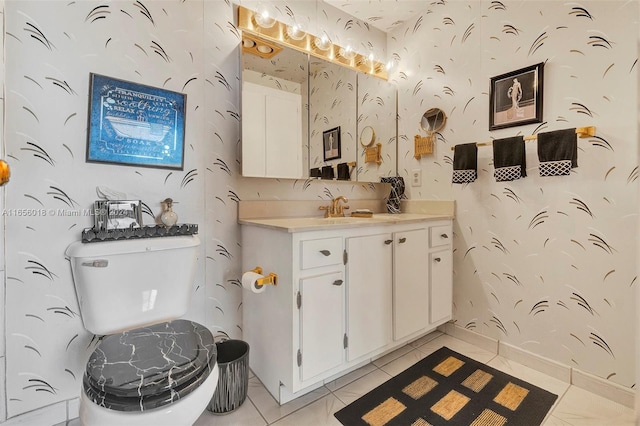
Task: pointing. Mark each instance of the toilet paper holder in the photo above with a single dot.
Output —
(269, 279)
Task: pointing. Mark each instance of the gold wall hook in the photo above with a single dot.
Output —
(5, 172)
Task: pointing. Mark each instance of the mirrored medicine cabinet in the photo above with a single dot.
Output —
(304, 116)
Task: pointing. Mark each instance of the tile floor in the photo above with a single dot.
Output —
(574, 406)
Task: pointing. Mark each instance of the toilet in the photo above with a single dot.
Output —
(151, 367)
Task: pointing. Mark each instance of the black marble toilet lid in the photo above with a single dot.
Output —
(150, 366)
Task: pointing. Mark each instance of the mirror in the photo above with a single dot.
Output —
(433, 120)
(367, 136)
(332, 119)
(334, 107)
(377, 127)
(274, 112)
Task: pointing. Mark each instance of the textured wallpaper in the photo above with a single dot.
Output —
(545, 264)
(51, 47)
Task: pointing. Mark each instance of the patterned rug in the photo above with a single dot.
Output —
(447, 388)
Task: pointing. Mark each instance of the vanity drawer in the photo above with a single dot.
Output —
(321, 252)
(440, 235)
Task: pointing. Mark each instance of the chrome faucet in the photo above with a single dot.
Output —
(336, 209)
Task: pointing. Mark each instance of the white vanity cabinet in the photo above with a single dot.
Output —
(440, 273)
(369, 295)
(345, 296)
(411, 296)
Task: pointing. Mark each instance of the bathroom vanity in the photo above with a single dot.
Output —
(349, 290)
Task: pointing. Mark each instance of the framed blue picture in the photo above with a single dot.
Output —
(135, 125)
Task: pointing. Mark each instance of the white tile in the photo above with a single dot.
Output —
(355, 390)
(537, 362)
(269, 407)
(319, 413)
(426, 338)
(350, 377)
(3, 379)
(579, 407)
(246, 415)
(393, 355)
(73, 408)
(49, 415)
(457, 345)
(548, 383)
(397, 366)
(603, 387)
(476, 339)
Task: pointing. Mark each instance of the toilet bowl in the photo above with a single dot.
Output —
(150, 367)
(164, 374)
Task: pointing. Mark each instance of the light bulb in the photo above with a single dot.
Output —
(295, 31)
(265, 18)
(264, 49)
(347, 52)
(323, 42)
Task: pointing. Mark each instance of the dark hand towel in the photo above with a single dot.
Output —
(465, 163)
(509, 159)
(557, 152)
(343, 171)
(396, 194)
(327, 172)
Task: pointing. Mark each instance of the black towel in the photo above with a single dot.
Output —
(327, 172)
(315, 172)
(509, 159)
(557, 152)
(465, 163)
(343, 171)
(396, 194)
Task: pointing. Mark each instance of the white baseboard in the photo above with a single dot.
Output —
(599, 386)
(539, 363)
(50, 415)
(476, 339)
(568, 374)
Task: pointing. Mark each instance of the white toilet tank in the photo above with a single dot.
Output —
(132, 283)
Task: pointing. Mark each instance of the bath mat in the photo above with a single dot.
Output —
(447, 388)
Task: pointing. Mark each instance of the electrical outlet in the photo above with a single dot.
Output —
(416, 177)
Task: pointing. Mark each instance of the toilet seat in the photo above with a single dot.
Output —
(149, 367)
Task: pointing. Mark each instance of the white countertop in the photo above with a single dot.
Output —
(315, 223)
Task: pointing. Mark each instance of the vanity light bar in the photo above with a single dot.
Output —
(306, 44)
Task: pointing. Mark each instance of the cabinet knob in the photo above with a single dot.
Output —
(337, 282)
(325, 252)
(445, 236)
(387, 242)
(437, 260)
(402, 240)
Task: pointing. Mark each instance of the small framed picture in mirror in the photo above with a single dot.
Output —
(331, 141)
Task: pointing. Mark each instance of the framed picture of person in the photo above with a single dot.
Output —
(331, 141)
(515, 98)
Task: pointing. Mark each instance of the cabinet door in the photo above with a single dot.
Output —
(441, 285)
(410, 282)
(369, 295)
(321, 323)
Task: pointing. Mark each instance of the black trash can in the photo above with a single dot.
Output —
(233, 381)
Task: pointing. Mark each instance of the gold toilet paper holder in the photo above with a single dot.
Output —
(269, 279)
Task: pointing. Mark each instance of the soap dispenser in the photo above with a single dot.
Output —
(168, 216)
